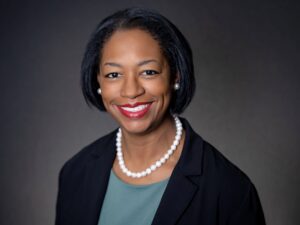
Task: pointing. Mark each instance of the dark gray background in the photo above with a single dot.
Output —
(246, 56)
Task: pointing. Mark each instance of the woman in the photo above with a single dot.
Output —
(154, 169)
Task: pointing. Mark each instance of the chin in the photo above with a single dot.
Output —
(136, 126)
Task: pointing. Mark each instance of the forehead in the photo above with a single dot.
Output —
(129, 43)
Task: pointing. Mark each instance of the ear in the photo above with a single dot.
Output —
(98, 77)
(177, 78)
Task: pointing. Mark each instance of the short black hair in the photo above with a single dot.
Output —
(172, 42)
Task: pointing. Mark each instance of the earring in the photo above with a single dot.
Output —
(99, 91)
(176, 86)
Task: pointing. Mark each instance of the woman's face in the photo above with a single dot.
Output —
(134, 77)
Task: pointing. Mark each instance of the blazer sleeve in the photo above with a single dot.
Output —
(250, 211)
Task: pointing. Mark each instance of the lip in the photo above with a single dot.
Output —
(136, 110)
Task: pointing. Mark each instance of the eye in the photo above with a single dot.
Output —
(113, 75)
(149, 72)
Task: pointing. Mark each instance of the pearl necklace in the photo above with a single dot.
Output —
(155, 165)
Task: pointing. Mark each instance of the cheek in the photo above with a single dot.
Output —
(108, 89)
(160, 90)
(107, 95)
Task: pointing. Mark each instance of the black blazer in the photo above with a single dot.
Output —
(204, 188)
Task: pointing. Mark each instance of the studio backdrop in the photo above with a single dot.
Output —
(246, 56)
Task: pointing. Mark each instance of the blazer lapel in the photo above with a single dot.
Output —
(95, 183)
(178, 195)
(184, 181)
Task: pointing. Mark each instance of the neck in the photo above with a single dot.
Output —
(142, 150)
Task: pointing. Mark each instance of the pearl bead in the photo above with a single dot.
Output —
(148, 171)
(155, 165)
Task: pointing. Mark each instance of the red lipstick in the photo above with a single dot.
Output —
(136, 110)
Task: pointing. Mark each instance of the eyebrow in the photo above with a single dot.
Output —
(139, 64)
(148, 61)
(112, 64)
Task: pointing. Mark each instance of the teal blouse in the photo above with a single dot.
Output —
(130, 204)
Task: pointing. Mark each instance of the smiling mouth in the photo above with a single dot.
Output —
(135, 111)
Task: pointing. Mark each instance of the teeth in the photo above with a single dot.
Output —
(135, 109)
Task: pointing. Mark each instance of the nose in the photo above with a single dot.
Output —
(132, 88)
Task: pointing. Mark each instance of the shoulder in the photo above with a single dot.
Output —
(95, 149)
(236, 194)
(220, 178)
(216, 164)
(206, 160)
(224, 188)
